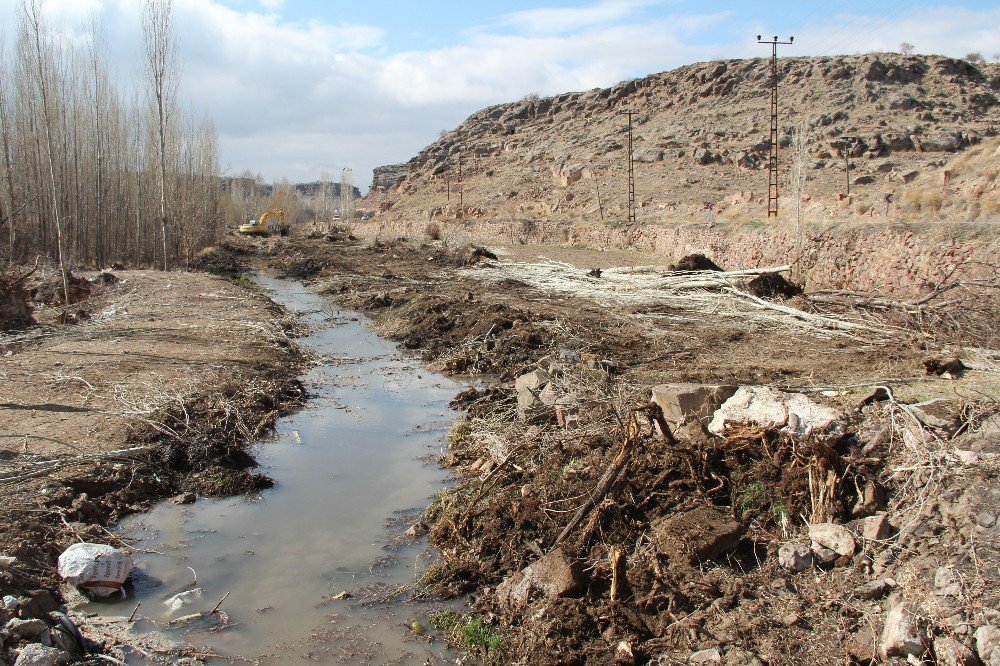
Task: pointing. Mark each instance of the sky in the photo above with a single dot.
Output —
(302, 88)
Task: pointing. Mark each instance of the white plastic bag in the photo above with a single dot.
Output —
(95, 568)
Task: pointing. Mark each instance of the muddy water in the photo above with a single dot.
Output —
(351, 471)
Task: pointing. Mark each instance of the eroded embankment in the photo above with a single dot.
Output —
(873, 255)
(588, 529)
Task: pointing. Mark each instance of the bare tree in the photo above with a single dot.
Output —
(975, 57)
(162, 69)
(906, 48)
(41, 57)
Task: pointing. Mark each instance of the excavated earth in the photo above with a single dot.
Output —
(593, 531)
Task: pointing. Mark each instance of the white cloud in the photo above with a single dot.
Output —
(558, 20)
(291, 98)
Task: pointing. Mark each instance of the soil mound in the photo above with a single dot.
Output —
(49, 291)
(695, 262)
(773, 285)
(220, 260)
(15, 311)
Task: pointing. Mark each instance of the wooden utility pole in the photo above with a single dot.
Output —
(772, 162)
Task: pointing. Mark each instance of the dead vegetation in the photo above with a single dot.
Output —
(594, 531)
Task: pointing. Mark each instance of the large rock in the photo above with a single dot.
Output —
(904, 633)
(554, 575)
(832, 536)
(697, 535)
(684, 402)
(36, 654)
(767, 407)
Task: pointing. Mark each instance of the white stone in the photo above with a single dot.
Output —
(835, 537)
(26, 628)
(709, 656)
(950, 652)
(903, 633)
(767, 407)
(36, 654)
(987, 640)
(795, 557)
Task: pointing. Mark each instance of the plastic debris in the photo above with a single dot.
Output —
(98, 569)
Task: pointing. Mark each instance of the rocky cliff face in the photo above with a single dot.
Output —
(700, 137)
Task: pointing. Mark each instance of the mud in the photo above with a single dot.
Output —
(528, 489)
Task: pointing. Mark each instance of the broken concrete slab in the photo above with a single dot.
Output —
(697, 535)
(554, 575)
(768, 407)
(684, 402)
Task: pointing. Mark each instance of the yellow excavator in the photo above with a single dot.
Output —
(259, 227)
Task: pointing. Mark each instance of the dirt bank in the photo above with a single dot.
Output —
(156, 390)
(590, 530)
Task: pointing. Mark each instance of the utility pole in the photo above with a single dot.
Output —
(847, 161)
(772, 163)
(631, 171)
(461, 190)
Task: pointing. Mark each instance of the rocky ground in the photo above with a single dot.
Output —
(596, 519)
(147, 385)
(700, 136)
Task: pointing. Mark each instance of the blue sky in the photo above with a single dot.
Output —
(299, 87)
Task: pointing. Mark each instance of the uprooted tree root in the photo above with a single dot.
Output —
(539, 478)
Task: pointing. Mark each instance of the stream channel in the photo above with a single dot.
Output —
(352, 470)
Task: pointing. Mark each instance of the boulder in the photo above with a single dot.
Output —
(697, 535)
(767, 407)
(945, 142)
(36, 654)
(650, 154)
(832, 536)
(683, 402)
(904, 633)
(795, 557)
(554, 575)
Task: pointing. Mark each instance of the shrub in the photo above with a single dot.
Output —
(433, 230)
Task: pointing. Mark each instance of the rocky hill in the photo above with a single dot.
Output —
(700, 137)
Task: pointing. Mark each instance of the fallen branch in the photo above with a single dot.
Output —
(603, 487)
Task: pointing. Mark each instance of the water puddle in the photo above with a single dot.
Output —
(353, 462)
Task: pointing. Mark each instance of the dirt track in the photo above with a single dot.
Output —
(175, 371)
